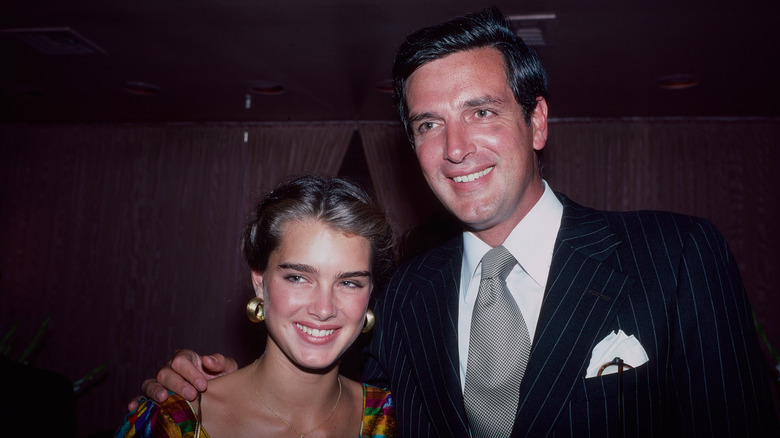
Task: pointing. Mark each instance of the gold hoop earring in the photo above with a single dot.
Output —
(370, 320)
(254, 310)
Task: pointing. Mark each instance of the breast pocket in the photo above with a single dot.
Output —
(610, 386)
(604, 405)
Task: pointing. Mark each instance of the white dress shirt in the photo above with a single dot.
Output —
(531, 243)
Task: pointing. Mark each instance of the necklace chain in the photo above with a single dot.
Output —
(302, 435)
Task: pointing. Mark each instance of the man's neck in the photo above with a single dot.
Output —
(497, 234)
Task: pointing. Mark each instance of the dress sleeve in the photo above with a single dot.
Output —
(378, 413)
(173, 418)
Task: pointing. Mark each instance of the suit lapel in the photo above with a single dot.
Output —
(583, 294)
(430, 320)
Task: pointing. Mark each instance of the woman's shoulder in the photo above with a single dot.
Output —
(173, 418)
(378, 412)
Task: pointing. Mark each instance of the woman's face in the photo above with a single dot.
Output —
(315, 291)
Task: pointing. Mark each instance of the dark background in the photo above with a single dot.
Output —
(120, 211)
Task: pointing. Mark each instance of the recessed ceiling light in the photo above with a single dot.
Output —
(678, 81)
(140, 88)
(385, 86)
(265, 88)
(56, 41)
(534, 29)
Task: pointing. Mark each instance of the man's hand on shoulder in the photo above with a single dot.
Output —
(185, 374)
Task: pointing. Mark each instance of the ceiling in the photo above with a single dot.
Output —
(202, 57)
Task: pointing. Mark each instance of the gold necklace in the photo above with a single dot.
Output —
(302, 435)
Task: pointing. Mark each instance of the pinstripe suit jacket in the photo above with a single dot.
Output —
(667, 279)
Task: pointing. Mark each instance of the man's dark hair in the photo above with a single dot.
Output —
(525, 74)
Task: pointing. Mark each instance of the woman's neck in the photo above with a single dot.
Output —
(287, 384)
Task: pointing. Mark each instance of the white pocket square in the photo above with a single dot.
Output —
(615, 345)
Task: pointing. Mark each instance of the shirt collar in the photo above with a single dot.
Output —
(531, 242)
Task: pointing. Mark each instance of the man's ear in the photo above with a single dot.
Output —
(539, 123)
(257, 284)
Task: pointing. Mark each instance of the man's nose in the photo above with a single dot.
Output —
(458, 143)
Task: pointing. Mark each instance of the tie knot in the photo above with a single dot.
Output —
(498, 262)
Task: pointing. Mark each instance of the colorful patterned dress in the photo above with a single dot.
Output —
(175, 418)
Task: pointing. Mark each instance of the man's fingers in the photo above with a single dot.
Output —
(186, 374)
(133, 404)
(188, 366)
(217, 364)
(154, 390)
(179, 382)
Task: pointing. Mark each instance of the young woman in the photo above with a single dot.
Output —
(316, 247)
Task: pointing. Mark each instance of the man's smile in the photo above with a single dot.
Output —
(472, 176)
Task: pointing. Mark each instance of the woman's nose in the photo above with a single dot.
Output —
(323, 305)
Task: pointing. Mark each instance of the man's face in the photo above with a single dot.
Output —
(474, 147)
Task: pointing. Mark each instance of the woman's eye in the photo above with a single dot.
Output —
(294, 278)
(352, 284)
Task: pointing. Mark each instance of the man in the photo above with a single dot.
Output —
(630, 324)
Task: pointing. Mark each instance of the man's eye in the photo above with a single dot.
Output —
(425, 126)
(483, 113)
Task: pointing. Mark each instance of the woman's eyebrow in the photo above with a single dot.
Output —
(355, 274)
(298, 267)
